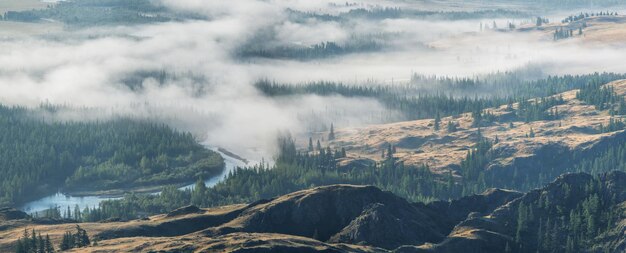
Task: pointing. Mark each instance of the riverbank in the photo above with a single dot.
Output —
(83, 199)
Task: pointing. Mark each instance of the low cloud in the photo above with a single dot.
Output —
(86, 68)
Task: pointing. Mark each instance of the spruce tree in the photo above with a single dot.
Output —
(49, 248)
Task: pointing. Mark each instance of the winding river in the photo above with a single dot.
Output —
(64, 200)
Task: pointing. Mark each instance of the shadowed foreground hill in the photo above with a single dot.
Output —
(575, 213)
(324, 219)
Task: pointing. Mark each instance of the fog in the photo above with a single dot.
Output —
(84, 69)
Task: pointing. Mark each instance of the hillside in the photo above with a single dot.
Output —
(334, 218)
(519, 146)
(347, 218)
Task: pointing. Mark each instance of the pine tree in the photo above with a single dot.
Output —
(522, 219)
(49, 248)
(437, 122)
(41, 244)
(310, 144)
(451, 127)
(331, 134)
(33, 241)
(198, 192)
(19, 247)
(25, 241)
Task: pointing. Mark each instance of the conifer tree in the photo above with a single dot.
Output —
(331, 134)
(49, 248)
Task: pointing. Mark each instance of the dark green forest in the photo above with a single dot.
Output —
(317, 51)
(39, 157)
(426, 97)
(295, 170)
(396, 13)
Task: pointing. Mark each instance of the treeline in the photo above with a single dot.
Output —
(564, 32)
(317, 51)
(523, 83)
(539, 109)
(396, 12)
(33, 242)
(429, 96)
(413, 107)
(603, 97)
(99, 12)
(38, 157)
(581, 16)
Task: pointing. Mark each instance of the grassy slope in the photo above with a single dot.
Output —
(418, 144)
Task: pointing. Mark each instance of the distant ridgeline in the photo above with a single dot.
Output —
(395, 12)
(258, 46)
(39, 157)
(100, 12)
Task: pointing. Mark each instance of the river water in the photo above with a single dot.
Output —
(63, 200)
